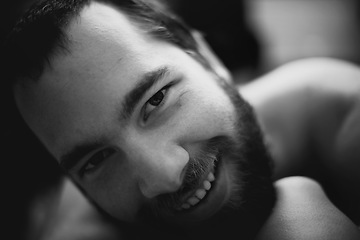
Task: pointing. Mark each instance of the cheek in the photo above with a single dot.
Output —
(115, 191)
(208, 111)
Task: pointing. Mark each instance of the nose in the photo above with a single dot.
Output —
(160, 168)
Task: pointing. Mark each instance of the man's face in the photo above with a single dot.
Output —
(139, 124)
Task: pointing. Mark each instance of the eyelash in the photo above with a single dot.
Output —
(99, 157)
(164, 91)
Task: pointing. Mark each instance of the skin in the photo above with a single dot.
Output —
(302, 211)
(64, 112)
(80, 98)
(312, 104)
(303, 202)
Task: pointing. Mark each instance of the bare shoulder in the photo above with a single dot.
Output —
(331, 76)
(310, 113)
(310, 103)
(303, 211)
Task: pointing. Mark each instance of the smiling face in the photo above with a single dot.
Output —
(141, 126)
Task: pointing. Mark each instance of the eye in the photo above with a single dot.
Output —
(155, 101)
(157, 98)
(96, 160)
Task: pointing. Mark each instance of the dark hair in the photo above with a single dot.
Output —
(39, 34)
(33, 40)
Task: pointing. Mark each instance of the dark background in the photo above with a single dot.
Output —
(251, 37)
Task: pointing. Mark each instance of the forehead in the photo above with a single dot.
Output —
(102, 30)
(105, 51)
(101, 25)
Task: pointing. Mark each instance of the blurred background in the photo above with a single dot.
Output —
(255, 36)
(292, 29)
(251, 37)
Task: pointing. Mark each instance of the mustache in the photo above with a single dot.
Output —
(204, 160)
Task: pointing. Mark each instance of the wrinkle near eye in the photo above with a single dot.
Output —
(182, 97)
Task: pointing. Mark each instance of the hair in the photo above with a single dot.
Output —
(36, 36)
(40, 33)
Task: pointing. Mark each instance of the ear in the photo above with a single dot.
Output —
(215, 63)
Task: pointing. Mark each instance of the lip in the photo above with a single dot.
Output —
(215, 199)
(204, 177)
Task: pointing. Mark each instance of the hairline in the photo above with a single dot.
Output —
(61, 43)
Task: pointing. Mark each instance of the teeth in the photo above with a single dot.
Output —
(193, 200)
(207, 185)
(211, 177)
(185, 206)
(199, 193)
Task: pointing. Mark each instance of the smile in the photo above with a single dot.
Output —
(202, 196)
(200, 193)
(206, 184)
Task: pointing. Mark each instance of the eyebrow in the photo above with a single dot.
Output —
(69, 160)
(133, 97)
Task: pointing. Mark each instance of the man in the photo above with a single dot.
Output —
(144, 120)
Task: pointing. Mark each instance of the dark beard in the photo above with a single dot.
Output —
(247, 209)
(167, 205)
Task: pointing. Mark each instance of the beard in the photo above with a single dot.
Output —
(253, 193)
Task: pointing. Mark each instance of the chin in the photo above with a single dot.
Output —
(218, 189)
